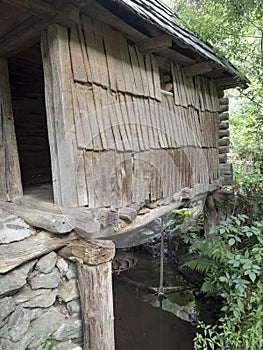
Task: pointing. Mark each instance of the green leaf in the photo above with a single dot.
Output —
(231, 242)
(252, 276)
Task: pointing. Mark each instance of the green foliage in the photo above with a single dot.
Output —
(249, 191)
(50, 342)
(186, 224)
(235, 253)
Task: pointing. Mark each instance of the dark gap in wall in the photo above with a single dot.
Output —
(28, 100)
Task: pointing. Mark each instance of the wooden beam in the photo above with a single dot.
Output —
(176, 57)
(10, 176)
(55, 223)
(18, 253)
(37, 7)
(155, 43)
(30, 35)
(198, 69)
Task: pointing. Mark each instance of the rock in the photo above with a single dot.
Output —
(73, 307)
(13, 229)
(62, 265)
(71, 329)
(36, 298)
(45, 280)
(47, 263)
(18, 323)
(41, 330)
(128, 214)
(7, 306)
(16, 279)
(68, 291)
(37, 312)
(72, 272)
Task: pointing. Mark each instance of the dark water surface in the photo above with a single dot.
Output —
(141, 326)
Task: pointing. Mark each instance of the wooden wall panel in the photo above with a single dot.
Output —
(128, 142)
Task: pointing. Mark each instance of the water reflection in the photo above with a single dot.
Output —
(141, 326)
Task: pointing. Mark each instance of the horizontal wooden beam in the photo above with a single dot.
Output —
(55, 223)
(18, 253)
(155, 43)
(37, 7)
(198, 69)
(176, 57)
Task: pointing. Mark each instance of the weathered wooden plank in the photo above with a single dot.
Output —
(149, 74)
(56, 223)
(61, 114)
(139, 120)
(156, 79)
(76, 54)
(18, 253)
(82, 117)
(90, 181)
(136, 71)
(103, 120)
(95, 49)
(93, 122)
(115, 67)
(143, 73)
(151, 122)
(116, 126)
(124, 119)
(126, 64)
(144, 123)
(116, 109)
(79, 110)
(11, 187)
(132, 123)
(81, 178)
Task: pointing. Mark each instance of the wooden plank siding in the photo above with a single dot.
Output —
(126, 141)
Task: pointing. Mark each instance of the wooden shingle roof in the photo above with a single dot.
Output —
(159, 14)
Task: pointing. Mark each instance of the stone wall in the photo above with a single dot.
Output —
(39, 300)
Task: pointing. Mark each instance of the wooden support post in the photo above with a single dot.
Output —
(10, 177)
(95, 285)
(60, 114)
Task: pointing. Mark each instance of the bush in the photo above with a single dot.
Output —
(231, 260)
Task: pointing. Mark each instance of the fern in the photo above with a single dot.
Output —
(201, 265)
(211, 289)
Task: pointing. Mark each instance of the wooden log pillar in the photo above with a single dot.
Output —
(95, 285)
(10, 177)
(60, 114)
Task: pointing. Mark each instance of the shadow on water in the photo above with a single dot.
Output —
(138, 324)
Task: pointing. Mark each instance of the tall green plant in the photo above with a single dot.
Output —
(231, 260)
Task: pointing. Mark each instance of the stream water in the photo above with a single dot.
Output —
(140, 322)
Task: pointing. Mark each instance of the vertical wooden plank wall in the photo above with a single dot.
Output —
(10, 177)
(126, 141)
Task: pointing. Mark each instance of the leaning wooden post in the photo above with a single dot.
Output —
(93, 260)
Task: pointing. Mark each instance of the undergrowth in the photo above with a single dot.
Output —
(230, 259)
